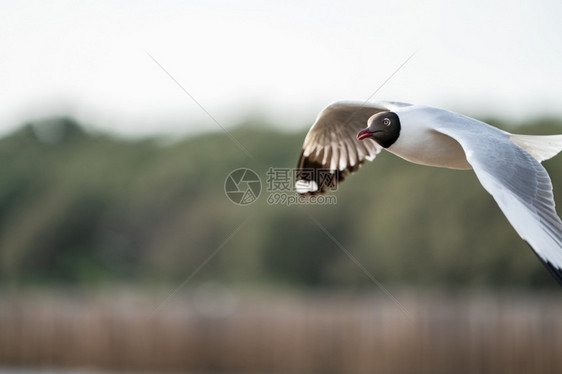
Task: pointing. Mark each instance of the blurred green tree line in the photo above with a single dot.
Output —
(83, 208)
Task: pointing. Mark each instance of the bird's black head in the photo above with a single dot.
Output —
(384, 128)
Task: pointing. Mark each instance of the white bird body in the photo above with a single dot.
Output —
(507, 165)
(421, 144)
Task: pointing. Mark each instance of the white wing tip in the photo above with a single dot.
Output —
(302, 186)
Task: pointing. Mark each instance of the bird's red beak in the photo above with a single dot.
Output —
(365, 133)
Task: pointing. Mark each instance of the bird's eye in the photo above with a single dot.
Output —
(386, 122)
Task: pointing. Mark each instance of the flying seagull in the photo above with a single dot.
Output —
(507, 165)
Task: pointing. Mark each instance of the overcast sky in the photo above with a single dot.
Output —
(283, 60)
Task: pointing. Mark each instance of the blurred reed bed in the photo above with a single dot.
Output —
(223, 332)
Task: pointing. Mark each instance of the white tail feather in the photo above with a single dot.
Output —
(541, 147)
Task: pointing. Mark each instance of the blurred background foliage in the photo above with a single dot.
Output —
(83, 208)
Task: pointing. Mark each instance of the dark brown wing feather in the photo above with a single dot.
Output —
(331, 150)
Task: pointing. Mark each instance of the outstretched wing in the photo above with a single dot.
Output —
(516, 180)
(331, 149)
